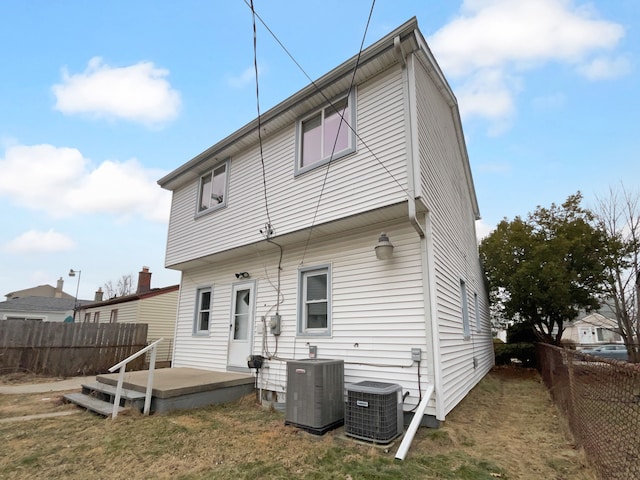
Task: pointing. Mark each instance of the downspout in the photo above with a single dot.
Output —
(407, 71)
(424, 230)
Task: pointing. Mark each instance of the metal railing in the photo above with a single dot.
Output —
(122, 366)
(601, 401)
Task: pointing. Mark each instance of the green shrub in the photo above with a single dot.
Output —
(519, 353)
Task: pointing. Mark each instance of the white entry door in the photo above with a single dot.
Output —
(241, 324)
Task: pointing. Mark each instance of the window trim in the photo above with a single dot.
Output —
(199, 212)
(476, 306)
(466, 327)
(351, 105)
(301, 330)
(113, 316)
(196, 331)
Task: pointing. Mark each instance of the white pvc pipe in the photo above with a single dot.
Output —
(415, 423)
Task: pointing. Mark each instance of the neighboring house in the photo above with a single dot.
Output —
(154, 306)
(307, 269)
(44, 309)
(42, 303)
(592, 330)
(41, 291)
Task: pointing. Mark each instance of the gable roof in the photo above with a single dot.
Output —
(379, 56)
(37, 304)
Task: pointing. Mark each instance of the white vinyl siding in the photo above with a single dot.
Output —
(447, 197)
(377, 309)
(358, 184)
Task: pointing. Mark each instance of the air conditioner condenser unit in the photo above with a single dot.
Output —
(374, 411)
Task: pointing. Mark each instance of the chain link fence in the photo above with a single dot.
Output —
(601, 400)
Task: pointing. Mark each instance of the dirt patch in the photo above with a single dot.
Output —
(21, 378)
(505, 428)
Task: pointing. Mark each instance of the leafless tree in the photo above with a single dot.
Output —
(124, 286)
(618, 215)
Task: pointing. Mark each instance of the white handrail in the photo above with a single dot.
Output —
(122, 366)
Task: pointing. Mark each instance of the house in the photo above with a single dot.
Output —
(352, 240)
(154, 306)
(42, 303)
(592, 330)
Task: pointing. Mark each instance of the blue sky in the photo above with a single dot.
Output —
(98, 101)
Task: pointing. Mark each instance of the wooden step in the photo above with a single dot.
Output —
(111, 390)
(94, 404)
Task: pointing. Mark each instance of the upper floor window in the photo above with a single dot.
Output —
(314, 301)
(328, 133)
(96, 317)
(114, 316)
(212, 191)
(203, 311)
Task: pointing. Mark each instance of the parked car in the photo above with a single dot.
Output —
(613, 351)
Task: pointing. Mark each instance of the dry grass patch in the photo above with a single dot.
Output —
(504, 429)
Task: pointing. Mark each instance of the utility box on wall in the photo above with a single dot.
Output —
(315, 394)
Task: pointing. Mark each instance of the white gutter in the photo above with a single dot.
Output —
(415, 423)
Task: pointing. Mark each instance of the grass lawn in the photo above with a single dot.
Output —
(506, 428)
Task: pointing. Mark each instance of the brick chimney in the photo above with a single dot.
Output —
(59, 286)
(144, 280)
(98, 295)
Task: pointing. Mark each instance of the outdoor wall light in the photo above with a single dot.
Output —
(243, 275)
(384, 249)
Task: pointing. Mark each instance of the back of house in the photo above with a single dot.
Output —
(344, 229)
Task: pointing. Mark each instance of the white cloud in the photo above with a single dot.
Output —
(488, 46)
(139, 93)
(605, 68)
(247, 77)
(61, 182)
(34, 241)
(482, 230)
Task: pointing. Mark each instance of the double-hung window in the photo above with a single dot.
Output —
(314, 301)
(465, 310)
(202, 319)
(326, 134)
(212, 191)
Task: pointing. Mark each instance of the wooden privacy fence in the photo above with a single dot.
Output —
(68, 349)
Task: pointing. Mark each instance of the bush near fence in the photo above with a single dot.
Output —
(601, 400)
(68, 349)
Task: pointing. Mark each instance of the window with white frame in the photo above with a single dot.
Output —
(212, 191)
(113, 318)
(328, 133)
(203, 311)
(476, 307)
(87, 317)
(465, 310)
(314, 300)
(96, 317)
